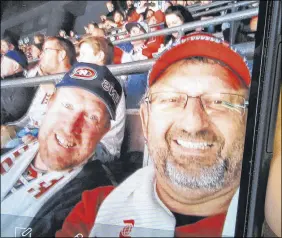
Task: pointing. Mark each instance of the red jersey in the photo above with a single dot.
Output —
(152, 46)
(81, 219)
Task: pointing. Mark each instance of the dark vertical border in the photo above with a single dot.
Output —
(264, 93)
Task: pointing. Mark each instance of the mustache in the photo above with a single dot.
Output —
(201, 135)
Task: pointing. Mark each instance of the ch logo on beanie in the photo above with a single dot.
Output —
(85, 73)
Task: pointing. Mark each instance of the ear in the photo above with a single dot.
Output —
(16, 66)
(62, 55)
(144, 115)
(101, 56)
(51, 100)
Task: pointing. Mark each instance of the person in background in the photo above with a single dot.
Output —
(254, 24)
(86, 29)
(63, 34)
(182, 3)
(157, 18)
(14, 101)
(205, 2)
(8, 43)
(119, 19)
(142, 6)
(129, 5)
(154, 43)
(47, 177)
(148, 13)
(273, 193)
(38, 38)
(190, 3)
(167, 4)
(175, 16)
(136, 83)
(136, 29)
(173, 2)
(98, 50)
(92, 26)
(73, 37)
(98, 32)
(195, 132)
(36, 50)
(132, 15)
(58, 55)
(110, 14)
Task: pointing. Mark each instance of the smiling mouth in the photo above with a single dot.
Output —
(63, 142)
(194, 145)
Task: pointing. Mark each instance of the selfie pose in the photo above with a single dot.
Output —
(38, 178)
(193, 117)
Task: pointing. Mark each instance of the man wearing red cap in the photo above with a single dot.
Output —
(193, 119)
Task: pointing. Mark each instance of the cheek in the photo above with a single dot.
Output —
(158, 127)
(49, 121)
(90, 138)
(232, 129)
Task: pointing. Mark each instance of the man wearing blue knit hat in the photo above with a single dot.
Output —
(43, 180)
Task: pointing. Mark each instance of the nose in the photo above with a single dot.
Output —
(193, 118)
(74, 123)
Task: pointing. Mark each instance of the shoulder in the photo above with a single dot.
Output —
(82, 217)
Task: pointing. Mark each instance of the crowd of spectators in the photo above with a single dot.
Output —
(120, 22)
(56, 54)
(113, 26)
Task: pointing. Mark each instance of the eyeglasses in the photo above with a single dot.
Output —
(218, 103)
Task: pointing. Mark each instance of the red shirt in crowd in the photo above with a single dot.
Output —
(153, 45)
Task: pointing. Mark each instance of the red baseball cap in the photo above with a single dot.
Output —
(199, 44)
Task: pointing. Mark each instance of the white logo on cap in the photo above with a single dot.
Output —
(84, 72)
(110, 89)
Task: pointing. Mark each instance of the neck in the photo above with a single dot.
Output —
(38, 163)
(62, 68)
(182, 202)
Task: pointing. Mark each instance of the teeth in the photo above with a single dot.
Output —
(194, 145)
(64, 142)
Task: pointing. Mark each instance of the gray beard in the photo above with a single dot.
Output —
(212, 178)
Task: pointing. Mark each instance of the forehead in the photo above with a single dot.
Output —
(33, 47)
(6, 60)
(197, 78)
(3, 42)
(78, 95)
(135, 28)
(50, 43)
(85, 46)
(172, 17)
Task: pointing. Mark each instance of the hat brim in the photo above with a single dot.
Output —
(201, 48)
